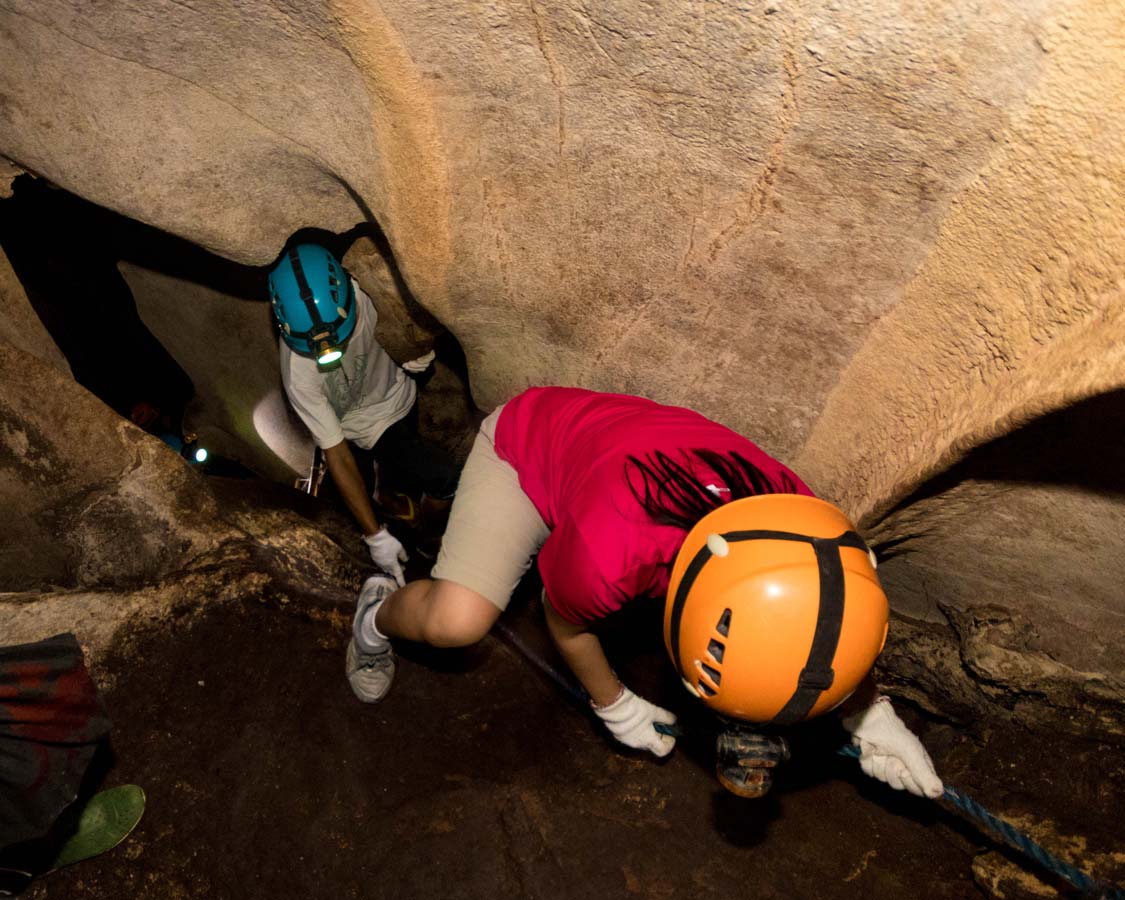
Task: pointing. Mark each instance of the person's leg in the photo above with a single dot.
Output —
(434, 517)
(416, 465)
(331, 490)
(368, 468)
(395, 492)
(439, 613)
(494, 531)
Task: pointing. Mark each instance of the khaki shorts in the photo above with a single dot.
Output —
(494, 529)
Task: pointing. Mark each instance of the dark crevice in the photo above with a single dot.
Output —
(1079, 446)
(64, 251)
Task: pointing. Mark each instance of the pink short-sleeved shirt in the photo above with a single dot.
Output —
(569, 448)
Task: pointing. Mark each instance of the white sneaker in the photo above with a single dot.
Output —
(370, 674)
(370, 667)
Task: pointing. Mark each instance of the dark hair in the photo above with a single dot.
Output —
(672, 494)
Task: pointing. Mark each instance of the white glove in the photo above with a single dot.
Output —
(387, 553)
(891, 752)
(632, 721)
(420, 364)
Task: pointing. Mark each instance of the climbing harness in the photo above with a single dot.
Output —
(310, 484)
(767, 754)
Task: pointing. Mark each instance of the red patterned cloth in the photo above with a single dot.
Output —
(51, 721)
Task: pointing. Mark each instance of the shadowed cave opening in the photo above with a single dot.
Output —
(1079, 446)
(64, 250)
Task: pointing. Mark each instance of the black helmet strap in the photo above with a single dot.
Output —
(306, 292)
(817, 675)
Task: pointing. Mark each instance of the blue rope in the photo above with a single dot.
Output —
(1015, 838)
(959, 800)
(1019, 840)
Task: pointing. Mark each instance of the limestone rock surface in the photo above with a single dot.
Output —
(106, 529)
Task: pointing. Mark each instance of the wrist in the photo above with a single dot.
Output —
(608, 700)
(876, 715)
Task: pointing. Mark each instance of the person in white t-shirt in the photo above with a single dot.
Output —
(347, 390)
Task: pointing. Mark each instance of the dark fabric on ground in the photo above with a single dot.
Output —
(51, 721)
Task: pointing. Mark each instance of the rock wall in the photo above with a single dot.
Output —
(105, 529)
(18, 323)
(239, 409)
(667, 199)
(89, 499)
(1019, 306)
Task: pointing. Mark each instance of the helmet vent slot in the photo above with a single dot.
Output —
(711, 673)
(706, 690)
(716, 651)
(724, 624)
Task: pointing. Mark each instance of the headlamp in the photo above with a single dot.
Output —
(746, 759)
(328, 356)
(191, 451)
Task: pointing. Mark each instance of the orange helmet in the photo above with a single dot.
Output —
(774, 611)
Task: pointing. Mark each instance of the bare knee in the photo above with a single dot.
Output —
(457, 616)
(442, 631)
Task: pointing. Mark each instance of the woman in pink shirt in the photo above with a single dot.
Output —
(604, 488)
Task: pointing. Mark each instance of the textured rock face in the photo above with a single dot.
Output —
(105, 528)
(89, 500)
(870, 236)
(18, 323)
(670, 200)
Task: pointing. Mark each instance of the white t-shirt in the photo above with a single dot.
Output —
(359, 400)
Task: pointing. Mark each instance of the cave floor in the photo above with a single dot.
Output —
(477, 778)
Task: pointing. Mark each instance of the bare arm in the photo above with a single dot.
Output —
(583, 653)
(345, 474)
(630, 719)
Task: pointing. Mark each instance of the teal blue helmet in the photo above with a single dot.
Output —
(314, 304)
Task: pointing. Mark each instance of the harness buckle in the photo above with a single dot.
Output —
(817, 679)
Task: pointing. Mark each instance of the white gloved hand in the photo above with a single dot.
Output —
(891, 752)
(387, 553)
(420, 364)
(631, 720)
